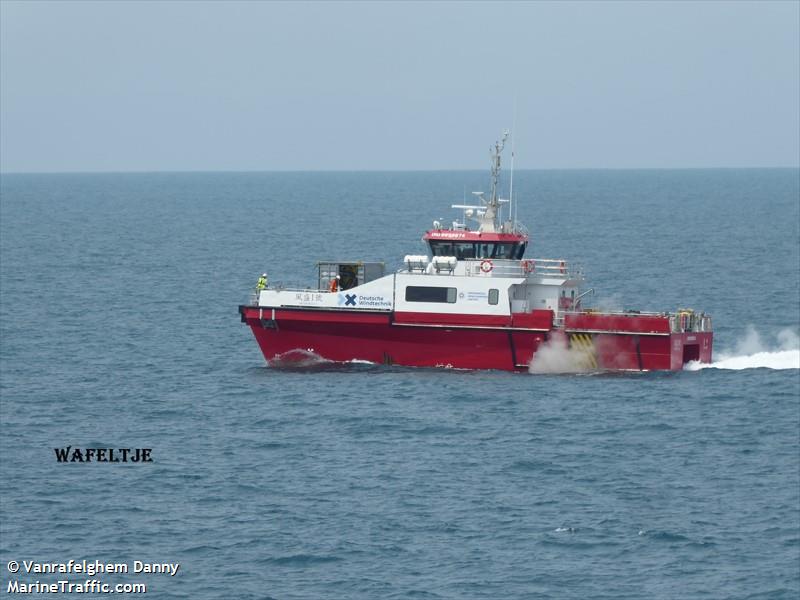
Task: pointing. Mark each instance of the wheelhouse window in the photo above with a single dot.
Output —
(464, 250)
(418, 293)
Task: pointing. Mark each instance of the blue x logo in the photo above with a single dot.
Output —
(351, 300)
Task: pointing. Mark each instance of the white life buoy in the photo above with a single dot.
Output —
(486, 265)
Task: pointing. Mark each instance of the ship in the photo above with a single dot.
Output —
(474, 301)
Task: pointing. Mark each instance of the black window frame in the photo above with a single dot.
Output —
(478, 250)
(429, 293)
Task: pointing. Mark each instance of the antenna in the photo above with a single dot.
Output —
(498, 149)
(488, 213)
(512, 209)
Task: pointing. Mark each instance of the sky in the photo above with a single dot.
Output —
(270, 86)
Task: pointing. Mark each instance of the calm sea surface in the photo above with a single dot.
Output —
(119, 321)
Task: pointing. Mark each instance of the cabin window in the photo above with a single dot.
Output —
(465, 250)
(442, 249)
(494, 296)
(502, 250)
(418, 293)
(460, 250)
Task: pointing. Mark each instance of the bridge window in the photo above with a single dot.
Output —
(418, 293)
(442, 249)
(464, 250)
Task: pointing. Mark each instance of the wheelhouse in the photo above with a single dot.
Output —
(463, 250)
(476, 245)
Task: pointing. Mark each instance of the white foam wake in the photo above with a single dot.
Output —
(556, 356)
(788, 359)
(751, 353)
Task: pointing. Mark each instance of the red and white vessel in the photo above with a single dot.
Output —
(474, 302)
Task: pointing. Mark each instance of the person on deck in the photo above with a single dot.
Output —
(262, 282)
(335, 284)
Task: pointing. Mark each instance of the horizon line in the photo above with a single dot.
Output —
(232, 171)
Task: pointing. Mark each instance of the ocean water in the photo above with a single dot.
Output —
(118, 315)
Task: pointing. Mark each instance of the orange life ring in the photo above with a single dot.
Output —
(486, 265)
(528, 265)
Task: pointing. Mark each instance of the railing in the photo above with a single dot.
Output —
(520, 228)
(253, 297)
(547, 267)
(502, 267)
(689, 321)
(684, 321)
(616, 313)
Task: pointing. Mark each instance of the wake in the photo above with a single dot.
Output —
(750, 353)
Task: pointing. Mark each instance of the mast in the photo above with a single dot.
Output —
(488, 213)
(493, 207)
(498, 148)
(512, 206)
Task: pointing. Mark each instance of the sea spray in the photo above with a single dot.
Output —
(556, 356)
(751, 353)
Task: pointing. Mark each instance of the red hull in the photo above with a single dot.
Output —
(468, 342)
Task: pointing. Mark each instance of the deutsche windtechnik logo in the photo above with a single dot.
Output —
(347, 299)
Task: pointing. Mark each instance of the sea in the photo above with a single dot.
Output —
(119, 325)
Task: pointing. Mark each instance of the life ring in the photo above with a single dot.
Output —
(528, 265)
(486, 265)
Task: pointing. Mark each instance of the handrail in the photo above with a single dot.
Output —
(679, 322)
(518, 227)
(523, 268)
(617, 313)
(281, 288)
(507, 267)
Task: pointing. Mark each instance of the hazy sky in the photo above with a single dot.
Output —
(142, 86)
